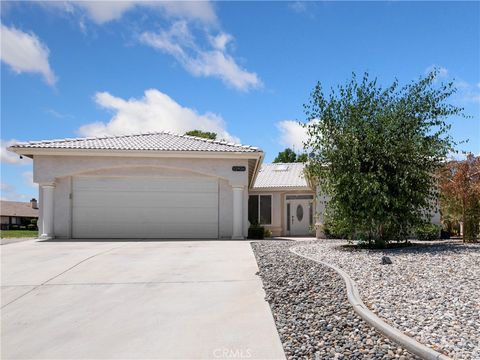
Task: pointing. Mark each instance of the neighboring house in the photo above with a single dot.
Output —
(18, 213)
(282, 200)
(155, 185)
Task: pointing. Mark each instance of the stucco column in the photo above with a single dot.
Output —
(47, 211)
(237, 212)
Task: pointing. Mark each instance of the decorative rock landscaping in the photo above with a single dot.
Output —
(430, 291)
(310, 307)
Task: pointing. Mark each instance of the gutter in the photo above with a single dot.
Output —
(31, 152)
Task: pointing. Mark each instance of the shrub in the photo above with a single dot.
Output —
(32, 227)
(334, 228)
(267, 233)
(444, 234)
(14, 227)
(256, 232)
(428, 232)
(471, 226)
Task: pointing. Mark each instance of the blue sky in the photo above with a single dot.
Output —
(244, 70)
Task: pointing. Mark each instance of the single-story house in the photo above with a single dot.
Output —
(153, 185)
(18, 213)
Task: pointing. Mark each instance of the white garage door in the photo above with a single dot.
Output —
(120, 207)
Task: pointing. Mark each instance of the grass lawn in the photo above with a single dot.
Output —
(18, 233)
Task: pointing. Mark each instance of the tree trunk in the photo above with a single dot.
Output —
(464, 201)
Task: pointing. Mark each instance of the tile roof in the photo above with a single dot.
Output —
(281, 175)
(155, 141)
(17, 208)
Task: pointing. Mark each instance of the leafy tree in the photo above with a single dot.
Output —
(289, 156)
(302, 158)
(375, 152)
(460, 194)
(202, 134)
(286, 156)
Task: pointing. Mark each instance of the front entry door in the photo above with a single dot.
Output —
(298, 216)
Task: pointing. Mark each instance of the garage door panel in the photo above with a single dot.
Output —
(156, 232)
(147, 185)
(145, 207)
(145, 200)
(120, 216)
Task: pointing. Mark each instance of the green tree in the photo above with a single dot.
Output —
(302, 158)
(202, 134)
(286, 156)
(289, 156)
(376, 150)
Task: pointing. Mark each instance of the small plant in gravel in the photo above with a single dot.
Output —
(428, 232)
(376, 150)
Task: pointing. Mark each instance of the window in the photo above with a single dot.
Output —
(299, 197)
(288, 216)
(253, 209)
(260, 209)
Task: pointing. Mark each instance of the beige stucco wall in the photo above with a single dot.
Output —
(278, 226)
(61, 169)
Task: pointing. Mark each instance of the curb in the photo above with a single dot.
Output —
(389, 331)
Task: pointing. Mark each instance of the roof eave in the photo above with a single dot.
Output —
(31, 152)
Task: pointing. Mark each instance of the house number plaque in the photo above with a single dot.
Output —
(238, 168)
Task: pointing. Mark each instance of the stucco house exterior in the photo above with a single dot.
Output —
(154, 185)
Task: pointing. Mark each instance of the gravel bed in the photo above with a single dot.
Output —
(431, 291)
(311, 311)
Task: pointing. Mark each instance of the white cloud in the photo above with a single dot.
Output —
(24, 52)
(10, 193)
(214, 61)
(298, 6)
(28, 179)
(155, 111)
(102, 12)
(9, 157)
(292, 134)
(467, 92)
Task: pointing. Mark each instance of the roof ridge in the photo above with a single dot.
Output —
(67, 140)
(214, 141)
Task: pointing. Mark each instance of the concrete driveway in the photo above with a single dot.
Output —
(155, 299)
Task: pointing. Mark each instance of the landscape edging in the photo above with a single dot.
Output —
(366, 314)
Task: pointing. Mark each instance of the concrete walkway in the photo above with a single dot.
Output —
(135, 300)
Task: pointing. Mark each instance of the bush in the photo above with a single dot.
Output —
(444, 234)
(256, 232)
(267, 233)
(428, 232)
(14, 227)
(32, 227)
